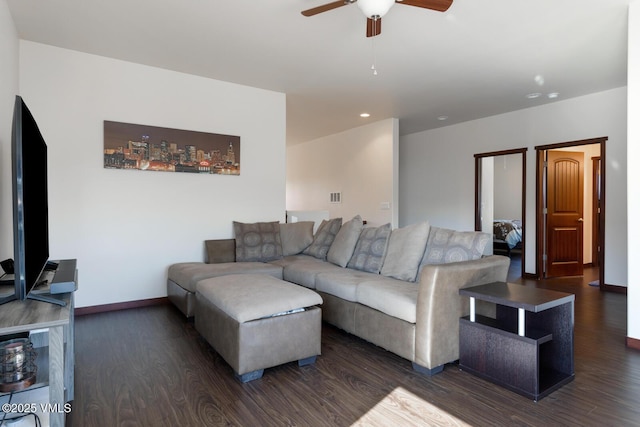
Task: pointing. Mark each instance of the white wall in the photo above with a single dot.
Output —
(507, 202)
(126, 227)
(633, 174)
(8, 91)
(437, 166)
(361, 163)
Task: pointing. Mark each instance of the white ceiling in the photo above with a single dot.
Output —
(478, 59)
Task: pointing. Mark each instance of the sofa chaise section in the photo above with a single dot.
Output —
(183, 277)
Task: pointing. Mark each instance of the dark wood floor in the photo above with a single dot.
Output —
(150, 367)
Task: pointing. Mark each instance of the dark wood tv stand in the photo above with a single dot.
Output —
(528, 347)
(54, 337)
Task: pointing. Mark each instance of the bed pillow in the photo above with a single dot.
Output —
(445, 246)
(296, 237)
(343, 245)
(259, 241)
(324, 238)
(405, 251)
(370, 249)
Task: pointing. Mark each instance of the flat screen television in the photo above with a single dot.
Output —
(30, 202)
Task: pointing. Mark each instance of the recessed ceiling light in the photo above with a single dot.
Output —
(553, 95)
(533, 95)
(365, 115)
(441, 118)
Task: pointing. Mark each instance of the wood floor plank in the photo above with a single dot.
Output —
(150, 367)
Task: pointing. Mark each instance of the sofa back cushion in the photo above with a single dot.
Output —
(405, 251)
(370, 249)
(220, 250)
(345, 242)
(296, 237)
(445, 246)
(324, 238)
(259, 241)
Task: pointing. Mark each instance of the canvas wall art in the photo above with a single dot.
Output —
(151, 148)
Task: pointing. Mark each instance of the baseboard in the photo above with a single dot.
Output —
(531, 276)
(633, 343)
(120, 306)
(614, 288)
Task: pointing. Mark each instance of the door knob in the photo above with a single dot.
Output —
(580, 220)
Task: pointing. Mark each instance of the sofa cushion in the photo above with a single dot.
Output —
(296, 237)
(304, 269)
(405, 251)
(343, 245)
(370, 249)
(187, 274)
(259, 241)
(324, 238)
(396, 298)
(220, 250)
(444, 246)
(343, 284)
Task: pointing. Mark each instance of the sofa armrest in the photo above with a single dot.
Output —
(440, 307)
(220, 250)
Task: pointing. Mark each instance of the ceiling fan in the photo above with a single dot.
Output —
(374, 10)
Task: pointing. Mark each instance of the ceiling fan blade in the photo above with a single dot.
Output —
(374, 26)
(437, 5)
(324, 8)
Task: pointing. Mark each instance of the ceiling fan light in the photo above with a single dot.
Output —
(375, 8)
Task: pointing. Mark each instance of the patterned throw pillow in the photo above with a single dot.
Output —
(370, 249)
(259, 241)
(445, 246)
(324, 238)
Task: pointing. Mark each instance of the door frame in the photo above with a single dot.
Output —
(541, 191)
(478, 194)
(596, 192)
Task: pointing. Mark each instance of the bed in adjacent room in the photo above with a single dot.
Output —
(507, 235)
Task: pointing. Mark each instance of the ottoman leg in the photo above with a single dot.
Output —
(307, 361)
(250, 376)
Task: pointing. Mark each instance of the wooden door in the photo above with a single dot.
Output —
(565, 195)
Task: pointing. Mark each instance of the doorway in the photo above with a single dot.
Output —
(500, 203)
(570, 207)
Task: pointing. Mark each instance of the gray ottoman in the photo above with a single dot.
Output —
(255, 321)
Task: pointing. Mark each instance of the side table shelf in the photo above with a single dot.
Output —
(51, 329)
(528, 347)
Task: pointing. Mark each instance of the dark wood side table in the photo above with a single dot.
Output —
(528, 347)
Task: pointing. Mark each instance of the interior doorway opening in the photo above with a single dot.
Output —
(570, 208)
(500, 203)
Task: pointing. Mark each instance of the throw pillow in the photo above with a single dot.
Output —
(296, 237)
(405, 251)
(343, 245)
(370, 249)
(324, 238)
(259, 241)
(444, 246)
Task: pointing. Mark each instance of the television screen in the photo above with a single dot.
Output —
(30, 200)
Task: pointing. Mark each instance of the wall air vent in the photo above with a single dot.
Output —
(335, 197)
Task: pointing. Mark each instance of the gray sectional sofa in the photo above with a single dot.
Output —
(395, 288)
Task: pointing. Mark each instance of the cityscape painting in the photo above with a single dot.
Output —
(151, 148)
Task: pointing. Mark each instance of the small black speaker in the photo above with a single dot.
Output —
(7, 265)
